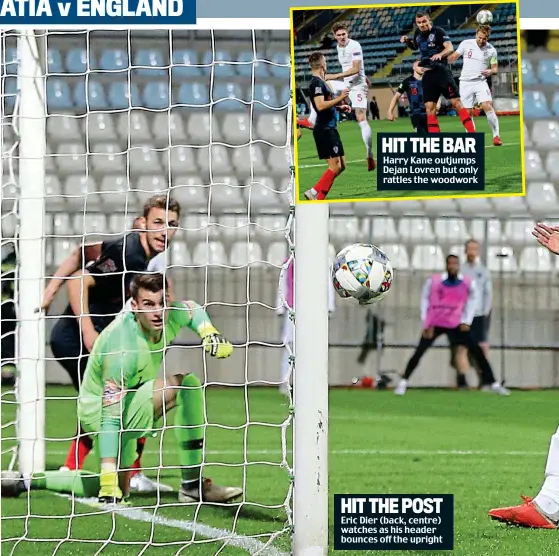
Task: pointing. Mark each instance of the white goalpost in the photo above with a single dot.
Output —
(100, 123)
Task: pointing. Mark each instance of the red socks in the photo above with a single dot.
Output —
(79, 449)
(324, 184)
(466, 120)
(433, 124)
(137, 465)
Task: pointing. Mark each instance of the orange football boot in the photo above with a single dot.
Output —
(497, 142)
(524, 515)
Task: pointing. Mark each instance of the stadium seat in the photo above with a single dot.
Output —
(371, 209)
(535, 104)
(123, 95)
(209, 254)
(270, 229)
(533, 165)
(486, 230)
(220, 159)
(277, 253)
(114, 60)
(551, 165)
(545, 134)
(190, 193)
(59, 96)
(265, 97)
(510, 206)
(416, 230)
(62, 128)
(184, 65)
(54, 194)
(54, 61)
(406, 207)
(143, 159)
(261, 196)
(278, 160)
(228, 96)
(202, 128)
(245, 69)
(282, 65)
(10, 92)
(548, 72)
(77, 62)
(496, 264)
(437, 207)
(527, 140)
(149, 62)
(79, 192)
(157, 95)
(221, 63)
(246, 253)
(225, 198)
(100, 127)
(398, 255)
(428, 257)
(535, 259)
(151, 185)
(62, 225)
(450, 229)
(272, 128)
(236, 128)
(89, 224)
(519, 231)
(11, 61)
(233, 228)
(343, 209)
(248, 160)
(92, 97)
(179, 254)
(475, 206)
(71, 158)
(107, 158)
(179, 159)
(196, 228)
(542, 198)
(60, 251)
(384, 230)
(133, 128)
(193, 94)
(343, 230)
(528, 76)
(168, 129)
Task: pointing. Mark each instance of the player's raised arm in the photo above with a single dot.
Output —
(81, 255)
(78, 294)
(442, 37)
(408, 41)
(402, 88)
(322, 104)
(457, 53)
(353, 70)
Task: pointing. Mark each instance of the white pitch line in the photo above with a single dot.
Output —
(251, 545)
(302, 166)
(351, 452)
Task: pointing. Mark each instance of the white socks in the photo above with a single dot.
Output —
(367, 135)
(548, 498)
(493, 122)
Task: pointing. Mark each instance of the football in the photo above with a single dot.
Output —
(363, 272)
(484, 17)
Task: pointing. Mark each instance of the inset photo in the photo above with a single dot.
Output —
(407, 102)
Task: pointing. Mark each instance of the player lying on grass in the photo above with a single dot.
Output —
(97, 294)
(413, 88)
(448, 304)
(479, 64)
(542, 511)
(121, 398)
(328, 142)
(350, 57)
(435, 46)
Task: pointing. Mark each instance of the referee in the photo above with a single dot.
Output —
(484, 286)
(326, 137)
(434, 47)
(412, 86)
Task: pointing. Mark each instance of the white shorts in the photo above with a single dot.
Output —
(358, 95)
(473, 92)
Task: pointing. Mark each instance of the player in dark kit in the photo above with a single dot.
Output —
(412, 86)
(97, 294)
(326, 137)
(434, 47)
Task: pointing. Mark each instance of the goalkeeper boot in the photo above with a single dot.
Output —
(527, 514)
(189, 494)
(11, 484)
(310, 194)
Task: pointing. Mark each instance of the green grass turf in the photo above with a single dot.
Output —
(502, 164)
(379, 443)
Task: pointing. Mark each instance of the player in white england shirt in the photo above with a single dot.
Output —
(479, 64)
(350, 56)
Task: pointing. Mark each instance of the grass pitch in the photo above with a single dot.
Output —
(503, 169)
(482, 448)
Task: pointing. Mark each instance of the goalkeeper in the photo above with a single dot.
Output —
(121, 398)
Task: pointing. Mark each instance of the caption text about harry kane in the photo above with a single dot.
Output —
(433, 162)
(395, 522)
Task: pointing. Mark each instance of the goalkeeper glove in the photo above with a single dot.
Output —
(110, 492)
(215, 344)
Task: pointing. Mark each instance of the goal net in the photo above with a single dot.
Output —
(94, 123)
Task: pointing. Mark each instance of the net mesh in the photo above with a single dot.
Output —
(205, 117)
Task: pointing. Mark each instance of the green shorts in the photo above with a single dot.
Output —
(137, 420)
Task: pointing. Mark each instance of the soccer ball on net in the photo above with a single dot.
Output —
(363, 272)
(484, 17)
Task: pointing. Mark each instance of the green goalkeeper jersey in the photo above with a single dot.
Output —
(123, 358)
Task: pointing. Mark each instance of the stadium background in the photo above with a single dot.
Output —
(100, 156)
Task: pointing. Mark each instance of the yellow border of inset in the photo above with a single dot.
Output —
(416, 198)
